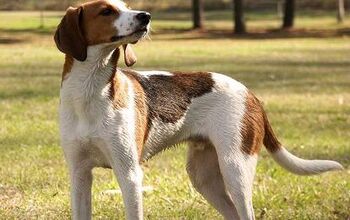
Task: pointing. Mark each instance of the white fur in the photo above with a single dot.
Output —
(154, 73)
(217, 116)
(126, 22)
(237, 169)
(119, 4)
(125, 158)
(203, 117)
(161, 136)
(303, 167)
(93, 133)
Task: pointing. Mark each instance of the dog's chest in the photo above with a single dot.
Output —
(80, 123)
(84, 113)
(84, 110)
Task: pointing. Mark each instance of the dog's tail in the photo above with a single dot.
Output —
(289, 161)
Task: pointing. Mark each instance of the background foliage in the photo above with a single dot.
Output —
(164, 5)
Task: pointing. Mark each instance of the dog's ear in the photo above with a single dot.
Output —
(129, 55)
(69, 37)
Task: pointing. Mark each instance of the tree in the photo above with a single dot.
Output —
(288, 16)
(279, 8)
(42, 23)
(341, 11)
(238, 16)
(41, 7)
(197, 13)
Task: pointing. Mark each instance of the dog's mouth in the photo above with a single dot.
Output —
(140, 32)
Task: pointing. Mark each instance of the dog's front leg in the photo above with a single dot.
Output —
(81, 182)
(129, 176)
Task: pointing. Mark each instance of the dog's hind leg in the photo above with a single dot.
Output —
(238, 170)
(203, 170)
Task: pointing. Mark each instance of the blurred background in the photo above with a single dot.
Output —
(294, 55)
(284, 9)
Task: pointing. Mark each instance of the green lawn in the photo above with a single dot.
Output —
(303, 79)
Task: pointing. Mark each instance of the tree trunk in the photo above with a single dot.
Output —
(341, 11)
(288, 17)
(238, 14)
(197, 14)
(279, 8)
(42, 24)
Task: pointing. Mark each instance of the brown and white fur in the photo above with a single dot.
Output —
(117, 118)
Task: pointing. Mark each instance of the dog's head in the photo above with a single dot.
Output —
(101, 22)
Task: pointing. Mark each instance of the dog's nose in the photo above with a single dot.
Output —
(144, 17)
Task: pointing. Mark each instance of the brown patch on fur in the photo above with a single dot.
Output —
(141, 111)
(270, 140)
(165, 98)
(67, 67)
(119, 95)
(86, 25)
(118, 91)
(69, 36)
(169, 96)
(98, 28)
(256, 128)
(253, 125)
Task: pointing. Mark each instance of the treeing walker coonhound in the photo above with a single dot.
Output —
(115, 118)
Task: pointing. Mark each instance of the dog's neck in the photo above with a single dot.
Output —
(99, 60)
(92, 75)
(99, 66)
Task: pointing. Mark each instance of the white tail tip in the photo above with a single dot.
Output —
(304, 167)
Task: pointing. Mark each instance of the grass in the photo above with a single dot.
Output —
(304, 81)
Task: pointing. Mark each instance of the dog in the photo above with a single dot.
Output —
(117, 118)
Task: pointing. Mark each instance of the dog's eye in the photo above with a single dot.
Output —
(106, 12)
